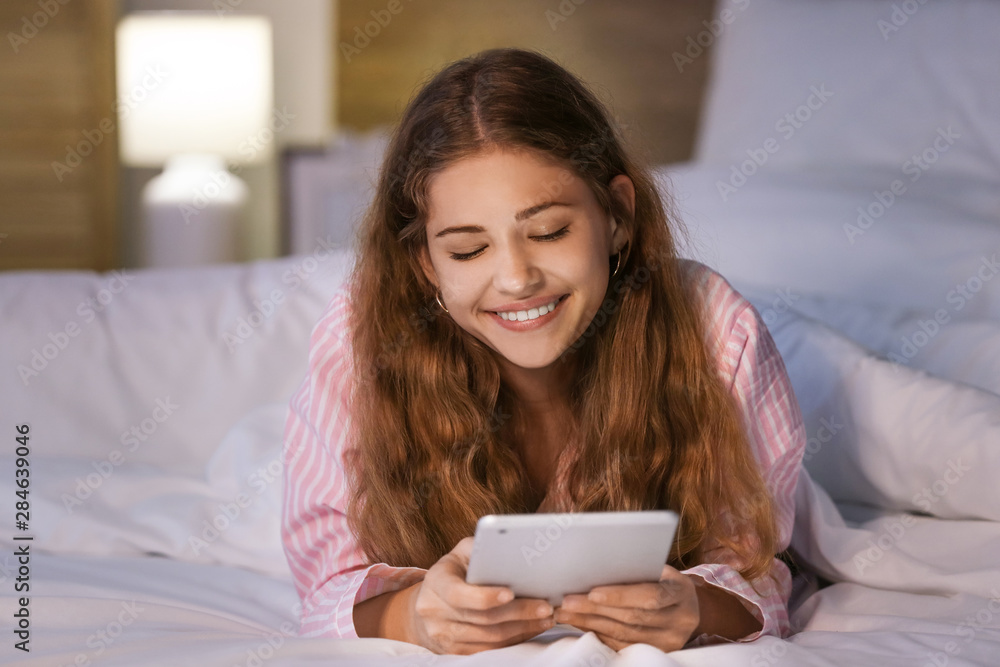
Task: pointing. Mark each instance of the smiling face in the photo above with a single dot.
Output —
(519, 247)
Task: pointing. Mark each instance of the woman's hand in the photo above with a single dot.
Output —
(663, 614)
(451, 616)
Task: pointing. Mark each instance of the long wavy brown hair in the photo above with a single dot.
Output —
(433, 442)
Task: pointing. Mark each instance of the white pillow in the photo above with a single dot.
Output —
(157, 365)
(857, 82)
(939, 342)
(788, 229)
(230, 515)
(887, 435)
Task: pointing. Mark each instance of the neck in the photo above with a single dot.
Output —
(539, 391)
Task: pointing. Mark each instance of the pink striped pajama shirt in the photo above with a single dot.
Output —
(331, 573)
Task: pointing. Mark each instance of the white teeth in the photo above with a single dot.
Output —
(534, 313)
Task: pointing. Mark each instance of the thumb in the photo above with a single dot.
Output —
(463, 550)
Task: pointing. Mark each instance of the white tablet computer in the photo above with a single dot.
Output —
(548, 556)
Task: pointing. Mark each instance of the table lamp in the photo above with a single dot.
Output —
(195, 94)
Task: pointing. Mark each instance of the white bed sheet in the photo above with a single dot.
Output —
(927, 600)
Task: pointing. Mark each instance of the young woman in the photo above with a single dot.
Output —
(519, 335)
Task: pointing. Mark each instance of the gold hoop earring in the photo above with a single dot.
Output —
(618, 261)
(437, 297)
(618, 264)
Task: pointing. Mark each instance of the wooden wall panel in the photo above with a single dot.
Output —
(57, 90)
(624, 50)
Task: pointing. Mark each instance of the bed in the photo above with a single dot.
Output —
(155, 399)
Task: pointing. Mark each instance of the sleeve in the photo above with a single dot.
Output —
(329, 569)
(752, 368)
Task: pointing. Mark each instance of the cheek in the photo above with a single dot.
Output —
(462, 285)
(584, 257)
(591, 265)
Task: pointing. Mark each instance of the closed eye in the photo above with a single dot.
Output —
(558, 234)
(465, 256)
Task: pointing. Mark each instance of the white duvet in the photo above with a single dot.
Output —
(932, 597)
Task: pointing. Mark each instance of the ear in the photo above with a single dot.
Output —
(623, 190)
(425, 263)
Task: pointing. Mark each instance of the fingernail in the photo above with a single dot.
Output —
(505, 596)
(596, 597)
(544, 610)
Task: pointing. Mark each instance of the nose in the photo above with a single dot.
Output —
(516, 273)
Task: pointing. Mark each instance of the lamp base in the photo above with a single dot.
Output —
(192, 213)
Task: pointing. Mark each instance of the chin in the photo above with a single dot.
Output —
(531, 365)
(532, 361)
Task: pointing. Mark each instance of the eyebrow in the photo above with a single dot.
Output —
(519, 216)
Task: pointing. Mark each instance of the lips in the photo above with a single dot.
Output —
(529, 314)
(527, 305)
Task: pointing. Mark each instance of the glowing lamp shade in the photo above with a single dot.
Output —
(193, 83)
(195, 93)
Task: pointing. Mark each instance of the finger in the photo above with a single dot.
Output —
(653, 595)
(447, 579)
(464, 549)
(521, 609)
(454, 590)
(602, 625)
(612, 643)
(631, 616)
(499, 634)
(462, 596)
